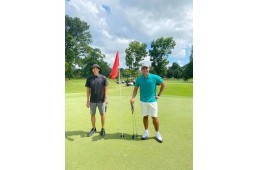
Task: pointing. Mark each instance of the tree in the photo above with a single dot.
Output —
(174, 71)
(77, 36)
(94, 56)
(159, 52)
(188, 69)
(126, 73)
(169, 73)
(135, 53)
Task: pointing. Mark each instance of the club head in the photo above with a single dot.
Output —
(134, 137)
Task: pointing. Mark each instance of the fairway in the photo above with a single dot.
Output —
(114, 152)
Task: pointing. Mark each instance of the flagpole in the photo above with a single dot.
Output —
(119, 80)
(114, 73)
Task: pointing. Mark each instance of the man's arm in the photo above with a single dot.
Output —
(88, 97)
(106, 94)
(160, 90)
(134, 94)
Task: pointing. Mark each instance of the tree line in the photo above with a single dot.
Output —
(79, 55)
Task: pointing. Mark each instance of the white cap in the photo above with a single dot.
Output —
(145, 64)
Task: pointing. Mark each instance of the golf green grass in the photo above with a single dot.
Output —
(112, 151)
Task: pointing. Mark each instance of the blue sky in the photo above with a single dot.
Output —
(114, 24)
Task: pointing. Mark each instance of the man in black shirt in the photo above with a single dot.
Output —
(96, 97)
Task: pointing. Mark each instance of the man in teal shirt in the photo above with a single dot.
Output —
(148, 99)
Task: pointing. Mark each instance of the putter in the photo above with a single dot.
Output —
(134, 123)
(106, 107)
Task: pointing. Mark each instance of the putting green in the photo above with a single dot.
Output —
(114, 152)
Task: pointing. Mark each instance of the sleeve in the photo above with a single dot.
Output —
(137, 84)
(87, 84)
(105, 81)
(159, 80)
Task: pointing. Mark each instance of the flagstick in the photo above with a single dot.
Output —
(119, 80)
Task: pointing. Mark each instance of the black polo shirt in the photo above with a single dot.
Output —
(97, 88)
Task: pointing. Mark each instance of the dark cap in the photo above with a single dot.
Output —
(95, 65)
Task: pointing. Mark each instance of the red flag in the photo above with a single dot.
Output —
(114, 71)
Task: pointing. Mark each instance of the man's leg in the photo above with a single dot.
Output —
(146, 125)
(102, 132)
(102, 120)
(101, 107)
(156, 126)
(146, 122)
(144, 109)
(93, 107)
(93, 120)
(93, 129)
(155, 121)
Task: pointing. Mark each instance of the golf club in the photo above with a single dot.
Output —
(134, 123)
(122, 135)
(106, 106)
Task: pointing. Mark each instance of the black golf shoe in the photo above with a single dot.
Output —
(102, 132)
(93, 130)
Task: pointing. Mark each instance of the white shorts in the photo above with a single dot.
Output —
(149, 109)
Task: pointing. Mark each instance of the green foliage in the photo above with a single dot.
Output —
(135, 53)
(174, 71)
(152, 71)
(188, 69)
(79, 56)
(158, 54)
(70, 54)
(78, 29)
(126, 73)
(68, 70)
(77, 36)
(94, 57)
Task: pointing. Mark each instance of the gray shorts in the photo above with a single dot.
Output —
(101, 107)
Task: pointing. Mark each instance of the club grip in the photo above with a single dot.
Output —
(132, 107)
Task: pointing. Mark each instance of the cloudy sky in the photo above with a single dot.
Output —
(114, 24)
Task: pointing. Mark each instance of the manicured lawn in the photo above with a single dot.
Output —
(114, 152)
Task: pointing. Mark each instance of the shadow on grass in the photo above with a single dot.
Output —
(108, 136)
(95, 137)
(69, 134)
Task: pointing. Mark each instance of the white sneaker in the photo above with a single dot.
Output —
(158, 137)
(145, 135)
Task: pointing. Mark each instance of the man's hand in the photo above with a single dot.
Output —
(88, 104)
(132, 100)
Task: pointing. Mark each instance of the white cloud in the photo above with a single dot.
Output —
(106, 34)
(180, 54)
(179, 62)
(114, 24)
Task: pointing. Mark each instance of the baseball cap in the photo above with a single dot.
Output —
(145, 65)
(95, 65)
